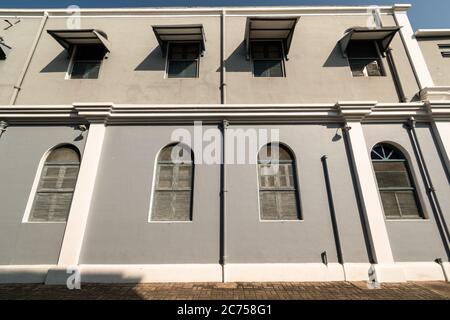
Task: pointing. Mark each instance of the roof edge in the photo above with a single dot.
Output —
(430, 33)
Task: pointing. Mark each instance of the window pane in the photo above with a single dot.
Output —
(182, 205)
(85, 70)
(63, 154)
(268, 205)
(182, 69)
(362, 49)
(51, 207)
(186, 51)
(162, 207)
(408, 204)
(288, 205)
(392, 174)
(89, 52)
(184, 176)
(172, 206)
(390, 204)
(373, 69)
(268, 68)
(165, 177)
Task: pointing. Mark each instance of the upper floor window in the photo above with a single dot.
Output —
(395, 183)
(278, 196)
(56, 185)
(183, 60)
(364, 59)
(172, 199)
(267, 58)
(445, 50)
(86, 61)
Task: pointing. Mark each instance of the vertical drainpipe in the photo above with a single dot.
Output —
(392, 65)
(431, 191)
(223, 127)
(18, 85)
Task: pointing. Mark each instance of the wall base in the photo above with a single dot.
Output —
(245, 272)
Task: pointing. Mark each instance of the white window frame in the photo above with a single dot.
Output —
(283, 64)
(300, 218)
(166, 74)
(379, 61)
(153, 189)
(35, 185)
(72, 62)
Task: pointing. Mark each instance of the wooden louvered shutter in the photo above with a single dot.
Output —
(277, 185)
(173, 189)
(56, 186)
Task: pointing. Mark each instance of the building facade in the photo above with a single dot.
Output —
(354, 104)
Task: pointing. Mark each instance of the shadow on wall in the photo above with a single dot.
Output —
(155, 61)
(336, 59)
(237, 61)
(59, 64)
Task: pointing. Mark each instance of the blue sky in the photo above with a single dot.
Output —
(424, 14)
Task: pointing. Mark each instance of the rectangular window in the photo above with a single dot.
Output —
(183, 60)
(445, 50)
(364, 59)
(86, 62)
(267, 59)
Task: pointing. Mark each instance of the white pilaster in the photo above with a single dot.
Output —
(413, 50)
(353, 113)
(76, 223)
(440, 123)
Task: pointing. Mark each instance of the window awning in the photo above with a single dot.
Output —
(194, 32)
(70, 38)
(4, 50)
(383, 36)
(270, 29)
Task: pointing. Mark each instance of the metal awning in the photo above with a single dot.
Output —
(193, 32)
(4, 50)
(69, 38)
(383, 36)
(270, 29)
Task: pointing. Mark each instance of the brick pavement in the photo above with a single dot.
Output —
(232, 291)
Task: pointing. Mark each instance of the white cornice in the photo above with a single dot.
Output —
(430, 33)
(209, 10)
(108, 113)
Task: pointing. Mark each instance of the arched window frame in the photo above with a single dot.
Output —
(31, 198)
(296, 188)
(155, 180)
(404, 157)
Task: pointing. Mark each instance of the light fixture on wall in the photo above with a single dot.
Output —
(3, 126)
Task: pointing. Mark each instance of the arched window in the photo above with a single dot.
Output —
(172, 200)
(278, 196)
(56, 185)
(396, 186)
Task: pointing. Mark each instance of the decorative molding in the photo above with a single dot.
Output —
(432, 33)
(435, 94)
(303, 10)
(110, 114)
(438, 110)
(355, 110)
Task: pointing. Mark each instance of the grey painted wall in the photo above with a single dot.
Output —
(135, 69)
(21, 150)
(20, 38)
(253, 241)
(438, 65)
(316, 70)
(415, 240)
(118, 231)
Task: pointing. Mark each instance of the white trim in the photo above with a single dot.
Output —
(24, 273)
(109, 273)
(35, 185)
(268, 272)
(236, 272)
(422, 271)
(82, 197)
(369, 194)
(429, 33)
(413, 51)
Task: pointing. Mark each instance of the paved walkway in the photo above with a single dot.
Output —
(232, 291)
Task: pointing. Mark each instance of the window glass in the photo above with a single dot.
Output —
(56, 186)
(87, 61)
(397, 191)
(267, 59)
(183, 60)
